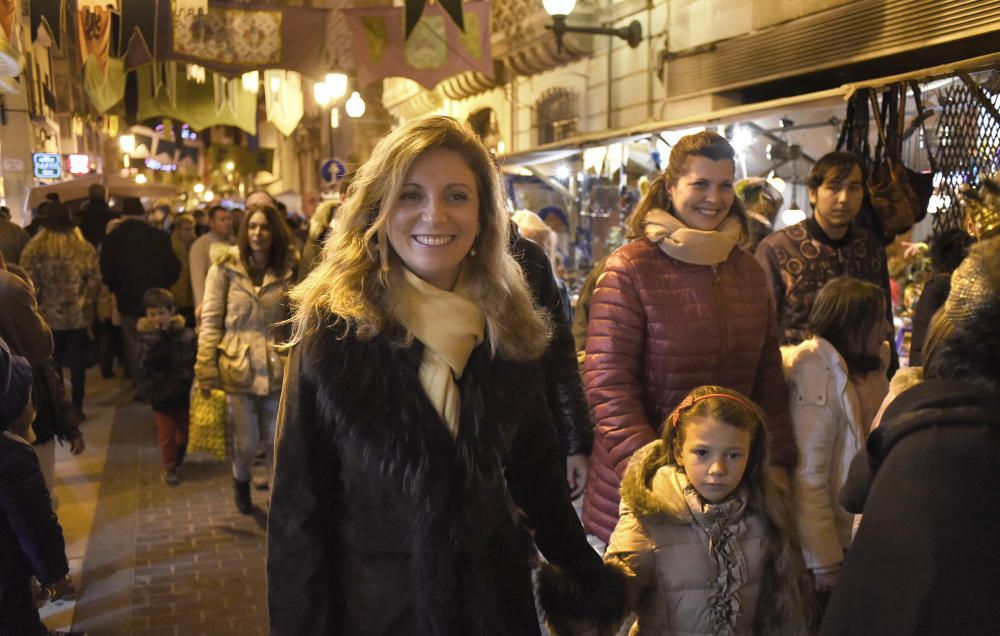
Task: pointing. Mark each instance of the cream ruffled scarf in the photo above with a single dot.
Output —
(688, 245)
(450, 326)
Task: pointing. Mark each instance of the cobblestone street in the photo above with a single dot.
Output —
(148, 558)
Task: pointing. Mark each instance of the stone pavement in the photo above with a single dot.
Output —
(147, 558)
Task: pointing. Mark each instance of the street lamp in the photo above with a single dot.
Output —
(127, 143)
(337, 85)
(560, 9)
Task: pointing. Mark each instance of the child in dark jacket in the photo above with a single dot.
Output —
(166, 371)
(31, 541)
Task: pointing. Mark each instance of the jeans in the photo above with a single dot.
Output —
(254, 420)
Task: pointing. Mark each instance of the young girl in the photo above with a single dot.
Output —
(705, 540)
(836, 381)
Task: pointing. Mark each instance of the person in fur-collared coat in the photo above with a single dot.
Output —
(415, 448)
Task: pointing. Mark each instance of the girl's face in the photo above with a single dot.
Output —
(259, 233)
(434, 223)
(703, 196)
(714, 456)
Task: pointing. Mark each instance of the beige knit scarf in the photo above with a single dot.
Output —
(688, 245)
(450, 326)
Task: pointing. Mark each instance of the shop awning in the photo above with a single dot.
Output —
(834, 97)
(116, 186)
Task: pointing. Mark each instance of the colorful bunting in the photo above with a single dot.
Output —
(163, 92)
(138, 36)
(232, 39)
(48, 13)
(415, 9)
(435, 50)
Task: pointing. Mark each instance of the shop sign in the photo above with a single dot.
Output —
(48, 165)
(78, 164)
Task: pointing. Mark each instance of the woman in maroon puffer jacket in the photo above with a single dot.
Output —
(682, 305)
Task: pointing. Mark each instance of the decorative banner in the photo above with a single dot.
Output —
(233, 38)
(435, 50)
(47, 13)
(11, 59)
(104, 88)
(138, 36)
(163, 92)
(94, 31)
(283, 100)
(415, 9)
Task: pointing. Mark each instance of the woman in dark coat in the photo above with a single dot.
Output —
(414, 444)
(925, 558)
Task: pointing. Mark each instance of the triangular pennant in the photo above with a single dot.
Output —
(454, 9)
(45, 13)
(414, 9)
(137, 15)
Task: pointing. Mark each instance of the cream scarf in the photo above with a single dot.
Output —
(688, 245)
(450, 326)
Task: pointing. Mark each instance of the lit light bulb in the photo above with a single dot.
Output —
(792, 215)
(322, 94)
(127, 143)
(199, 188)
(334, 117)
(337, 83)
(208, 197)
(562, 172)
(355, 106)
(140, 179)
(559, 7)
(230, 166)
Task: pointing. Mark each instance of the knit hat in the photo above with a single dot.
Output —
(982, 205)
(15, 385)
(975, 285)
(58, 218)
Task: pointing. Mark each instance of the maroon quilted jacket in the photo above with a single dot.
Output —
(659, 328)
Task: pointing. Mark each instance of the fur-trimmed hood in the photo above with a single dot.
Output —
(146, 325)
(651, 490)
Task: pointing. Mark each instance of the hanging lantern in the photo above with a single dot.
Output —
(355, 106)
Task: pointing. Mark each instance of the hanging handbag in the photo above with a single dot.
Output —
(893, 201)
(922, 183)
(208, 421)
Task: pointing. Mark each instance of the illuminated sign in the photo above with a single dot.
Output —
(154, 164)
(78, 164)
(48, 165)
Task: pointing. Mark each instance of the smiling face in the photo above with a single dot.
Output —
(434, 222)
(714, 456)
(704, 194)
(259, 235)
(837, 200)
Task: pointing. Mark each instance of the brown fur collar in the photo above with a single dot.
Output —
(646, 501)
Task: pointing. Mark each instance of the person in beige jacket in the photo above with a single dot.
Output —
(239, 333)
(706, 542)
(836, 382)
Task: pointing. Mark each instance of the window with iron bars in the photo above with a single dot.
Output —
(556, 115)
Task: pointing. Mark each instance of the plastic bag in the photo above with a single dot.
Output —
(207, 430)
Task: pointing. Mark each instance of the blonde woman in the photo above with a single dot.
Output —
(413, 430)
(67, 277)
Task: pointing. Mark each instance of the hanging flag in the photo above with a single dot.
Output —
(47, 13)
(94, 31)
(284, 106)
(435, 50)
(163, 92)
(232, 41)
(104, 88)
(11, 58)
(138, 36)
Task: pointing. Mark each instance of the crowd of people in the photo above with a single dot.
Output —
(404, 370)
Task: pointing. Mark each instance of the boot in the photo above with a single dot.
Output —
(241, 491)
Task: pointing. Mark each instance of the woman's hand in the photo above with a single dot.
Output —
(77, 445)
(576, 474)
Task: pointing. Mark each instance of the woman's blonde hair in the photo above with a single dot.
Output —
(358, 266)
(56, 244)
(786, 597)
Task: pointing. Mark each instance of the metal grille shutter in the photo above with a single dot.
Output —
(850, 33)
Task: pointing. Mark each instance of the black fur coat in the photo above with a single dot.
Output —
(381, 523)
